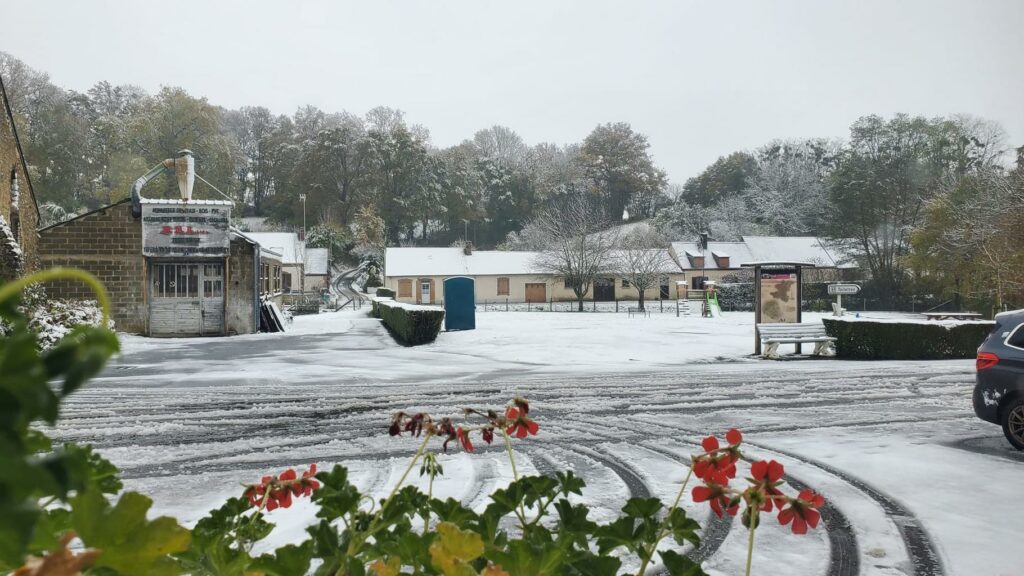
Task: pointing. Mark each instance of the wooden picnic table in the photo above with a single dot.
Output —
(952, 315)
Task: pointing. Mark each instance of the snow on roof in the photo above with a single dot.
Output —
(789, 249)
(454, 262)
(737, 253)
(316, 261)
(286, 244)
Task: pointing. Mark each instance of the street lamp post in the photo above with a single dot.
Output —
(303, 198)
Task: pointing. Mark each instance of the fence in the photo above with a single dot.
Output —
(653, 306)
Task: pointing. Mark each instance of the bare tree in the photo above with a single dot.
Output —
(578, 245)
(642, 259)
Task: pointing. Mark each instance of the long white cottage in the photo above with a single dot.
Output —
(417, 275)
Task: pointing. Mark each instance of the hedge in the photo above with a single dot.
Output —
(894, 340)
(409, 324)
(384, 292)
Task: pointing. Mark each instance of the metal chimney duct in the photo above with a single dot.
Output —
(185, 171)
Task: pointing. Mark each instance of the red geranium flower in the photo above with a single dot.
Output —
(488, 434)
(518, 424)
(714, 492)
(766, 476)
(733, 437)
(803, 511)
(273, 493)
(467, 445)
(710, 444)
(713, 462)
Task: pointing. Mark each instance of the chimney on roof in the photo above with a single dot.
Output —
(467, 249)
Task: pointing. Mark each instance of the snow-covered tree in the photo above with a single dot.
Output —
(577, 243)
(642, 259)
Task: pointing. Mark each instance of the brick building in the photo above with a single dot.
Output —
(19, 213)
(166, 292)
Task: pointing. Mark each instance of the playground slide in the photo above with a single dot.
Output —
(713, 307)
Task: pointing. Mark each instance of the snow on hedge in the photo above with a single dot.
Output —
(53, 319)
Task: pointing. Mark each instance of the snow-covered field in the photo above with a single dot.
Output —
(916, 484)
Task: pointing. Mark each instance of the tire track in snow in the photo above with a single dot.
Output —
(924, 556)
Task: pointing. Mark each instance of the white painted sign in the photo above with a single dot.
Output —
(843, 288)
(182, 230)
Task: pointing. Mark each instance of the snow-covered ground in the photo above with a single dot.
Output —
(916, 484)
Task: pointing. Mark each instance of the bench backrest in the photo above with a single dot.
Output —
(782, 330)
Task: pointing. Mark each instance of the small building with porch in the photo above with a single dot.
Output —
(178, 269)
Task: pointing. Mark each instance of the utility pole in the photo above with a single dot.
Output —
(303, 198)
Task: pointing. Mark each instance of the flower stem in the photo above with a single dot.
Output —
(521, 512)
(358, 539)
(750, 545)
(511, 457)
(663, 530)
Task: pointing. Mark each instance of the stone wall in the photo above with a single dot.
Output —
(238, 312)
(23, 220)
(108, 244)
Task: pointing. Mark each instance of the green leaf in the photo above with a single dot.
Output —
(683, 528)
(80, 355)
(49, 527)
(100, 473)
(573, 519)
(327, 546)
(451, 510)
(336, 496)
(588, 564)
(17, 523)
(131, 544)
(521, 557)
(642, 507)
(287, 560)
(618, 533)
(569, 483)
(679, 565)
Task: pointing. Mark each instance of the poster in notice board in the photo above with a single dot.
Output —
(779, 298)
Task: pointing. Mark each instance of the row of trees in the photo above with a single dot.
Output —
(85, 149)
(931, 206)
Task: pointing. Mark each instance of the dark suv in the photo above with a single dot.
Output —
(999, 392)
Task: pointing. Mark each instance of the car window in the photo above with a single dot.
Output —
(1017, 338)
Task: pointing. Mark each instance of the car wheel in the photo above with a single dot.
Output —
(1013, 423)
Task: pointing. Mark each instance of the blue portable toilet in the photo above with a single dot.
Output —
(459, 303)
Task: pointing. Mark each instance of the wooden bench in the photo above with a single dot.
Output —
(952, 315)
(772, 335)
(635, 310)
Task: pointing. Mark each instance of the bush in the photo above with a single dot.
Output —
(384, 292)
(372, 278)
(410, 324)
(739, 296)
(894, 340)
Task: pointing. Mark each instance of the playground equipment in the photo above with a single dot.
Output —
(711, 306)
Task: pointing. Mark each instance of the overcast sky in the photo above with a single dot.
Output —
(700, 79)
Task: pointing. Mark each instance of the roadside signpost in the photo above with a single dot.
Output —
(838, 290)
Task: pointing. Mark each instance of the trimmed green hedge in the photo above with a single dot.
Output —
(867, 340)
(384, 292)
(410, 326)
